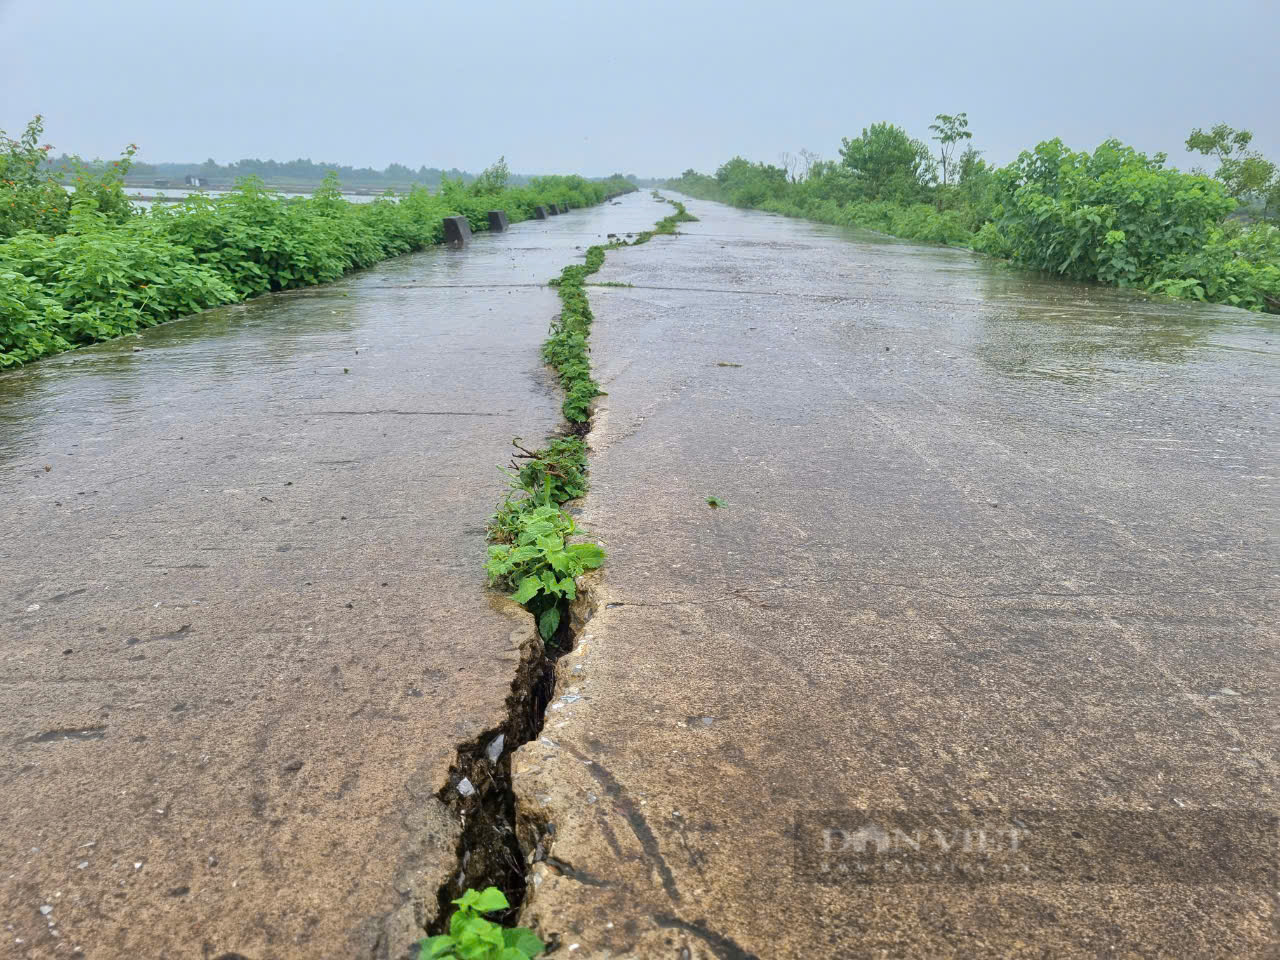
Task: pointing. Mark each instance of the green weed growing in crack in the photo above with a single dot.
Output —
(472, 937)
(563, 462)
(530, 552)
(541, 565)
(566, 348)
(666, 226)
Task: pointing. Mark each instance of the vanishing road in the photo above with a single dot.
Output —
(994, 554)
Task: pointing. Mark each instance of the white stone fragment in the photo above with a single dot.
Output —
(494, 750)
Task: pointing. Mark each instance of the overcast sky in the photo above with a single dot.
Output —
(641, 87)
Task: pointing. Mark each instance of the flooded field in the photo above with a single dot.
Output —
(144, 197)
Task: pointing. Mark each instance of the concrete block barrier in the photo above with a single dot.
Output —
(457, 231)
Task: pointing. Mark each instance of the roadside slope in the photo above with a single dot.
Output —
(986, 542)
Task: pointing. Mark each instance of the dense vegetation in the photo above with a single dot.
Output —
(1115, 215)
(81, 266)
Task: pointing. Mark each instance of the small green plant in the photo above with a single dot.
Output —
(472, 937)
(540, 564)
(562, 464)
(715, 503)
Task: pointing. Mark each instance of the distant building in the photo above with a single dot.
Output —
(191, 181)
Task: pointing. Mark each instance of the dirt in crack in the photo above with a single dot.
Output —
(480, 793)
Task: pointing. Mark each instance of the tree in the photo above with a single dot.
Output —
(889, 164)
(1246, 174)
(747, 184)
(788, 161)
(971, 165)
(807, 160)
(493, 179)
(950, 130)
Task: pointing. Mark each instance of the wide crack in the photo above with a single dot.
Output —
(479, 790)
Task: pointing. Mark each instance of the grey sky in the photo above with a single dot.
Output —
(640, 87)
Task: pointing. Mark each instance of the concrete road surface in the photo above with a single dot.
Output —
(995, 562)
(244, 617)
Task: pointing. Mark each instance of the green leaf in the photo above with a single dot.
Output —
(476, 931)
(551, 543)
(433, 947)
(527, 590)
(539, 528)
(590, 555)
(489, 900)
(549, 582)
(521, 554)
(548, 622)
(524, 940)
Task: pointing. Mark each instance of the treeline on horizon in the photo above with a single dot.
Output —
(86, 264)
(1115, 215)
(300, 172)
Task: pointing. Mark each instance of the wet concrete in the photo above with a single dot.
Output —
(243, 610)
(988, 542)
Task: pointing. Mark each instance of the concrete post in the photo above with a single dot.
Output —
(540, 213)
(497, 221)
(457, 231)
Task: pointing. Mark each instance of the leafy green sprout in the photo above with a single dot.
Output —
(715, 503)
(472, 937)
(541, 565)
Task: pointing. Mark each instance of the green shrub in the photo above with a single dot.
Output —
(94, 269)
(1114, 215)
(32, 196)
(106, 281)
(35, 323)
(1236, 266)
